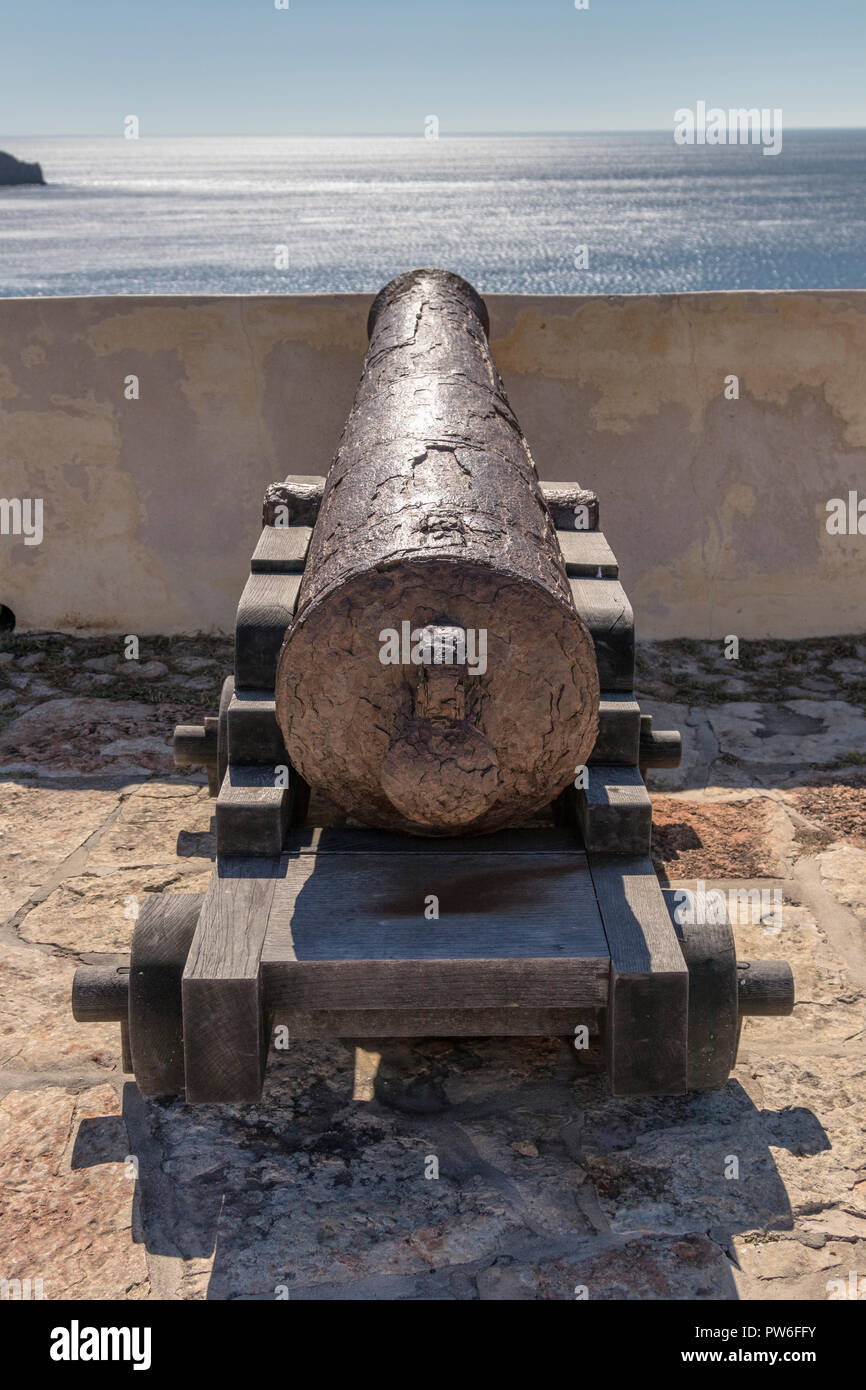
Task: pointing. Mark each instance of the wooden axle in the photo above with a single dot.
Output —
(206, 744)
(658, 747)
(195, 745)
(765, 988)
(100, 994)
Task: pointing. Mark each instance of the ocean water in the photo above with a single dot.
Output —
(205, 215)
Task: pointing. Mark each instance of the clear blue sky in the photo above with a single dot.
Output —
(210, 67)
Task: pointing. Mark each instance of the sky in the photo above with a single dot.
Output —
(323, 67)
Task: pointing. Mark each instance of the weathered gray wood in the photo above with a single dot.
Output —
(294, 502)
(349, 931)
(647, 1017)
(160, 945)
(659, 747)
(281, 550)
(372, 906)
(264, 613)
(516, 1021)
(195, 745)
(222, 730)
(765, 988)
(587, 553)
(614, 811)
(252, 814)
(100, 993)
(619, 723)
(126, 1063)
(254, 736)
(357, 840)
(224, 1038)
(206, 744)
(604, 607)
(711, 956)
(572, 507)
(410, 985)
(433, 515)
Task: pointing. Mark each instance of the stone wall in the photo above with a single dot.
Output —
(716, 508)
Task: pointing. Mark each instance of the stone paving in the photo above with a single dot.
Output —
(546, 1186)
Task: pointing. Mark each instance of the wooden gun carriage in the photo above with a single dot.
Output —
(439, 645)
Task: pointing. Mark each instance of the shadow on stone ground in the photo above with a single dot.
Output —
(544, 1183)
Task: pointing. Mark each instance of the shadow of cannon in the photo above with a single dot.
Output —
(491, 1168)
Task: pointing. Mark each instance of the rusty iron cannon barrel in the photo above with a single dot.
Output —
(436, 677)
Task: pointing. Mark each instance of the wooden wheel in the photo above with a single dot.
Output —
(226, 694)
(714, 1017)
(160, 945)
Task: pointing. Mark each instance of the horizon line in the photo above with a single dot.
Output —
(379, 134)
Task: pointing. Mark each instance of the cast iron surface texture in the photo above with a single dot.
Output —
(433, 516)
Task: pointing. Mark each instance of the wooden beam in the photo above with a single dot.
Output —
(587, 553)
(264, 612)
(647, 1015)
(614, 811)
(224, 1038)
(281, 550)
(254, 735)
(514, 1022)
(619, 726)
(356, 840)
(604, 607)
(252, 812)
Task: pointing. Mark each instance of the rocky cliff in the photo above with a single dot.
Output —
(14, 170)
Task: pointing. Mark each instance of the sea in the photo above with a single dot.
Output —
(533, 214)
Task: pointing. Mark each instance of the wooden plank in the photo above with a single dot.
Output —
(587, 553)
(252, 814)
(619, 727)
(647, 1017)
(604, 607)
(406, 986)
(372, 907)
(614, 811)
(254, 735)
(264, 612)
(362, 840)
(573, 508)
(281, 550)
(514, 1022)
(224, 1038)
(349, 931)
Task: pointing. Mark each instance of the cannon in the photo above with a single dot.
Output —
(437, 646)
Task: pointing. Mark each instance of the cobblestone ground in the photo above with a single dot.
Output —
(545, 1183)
